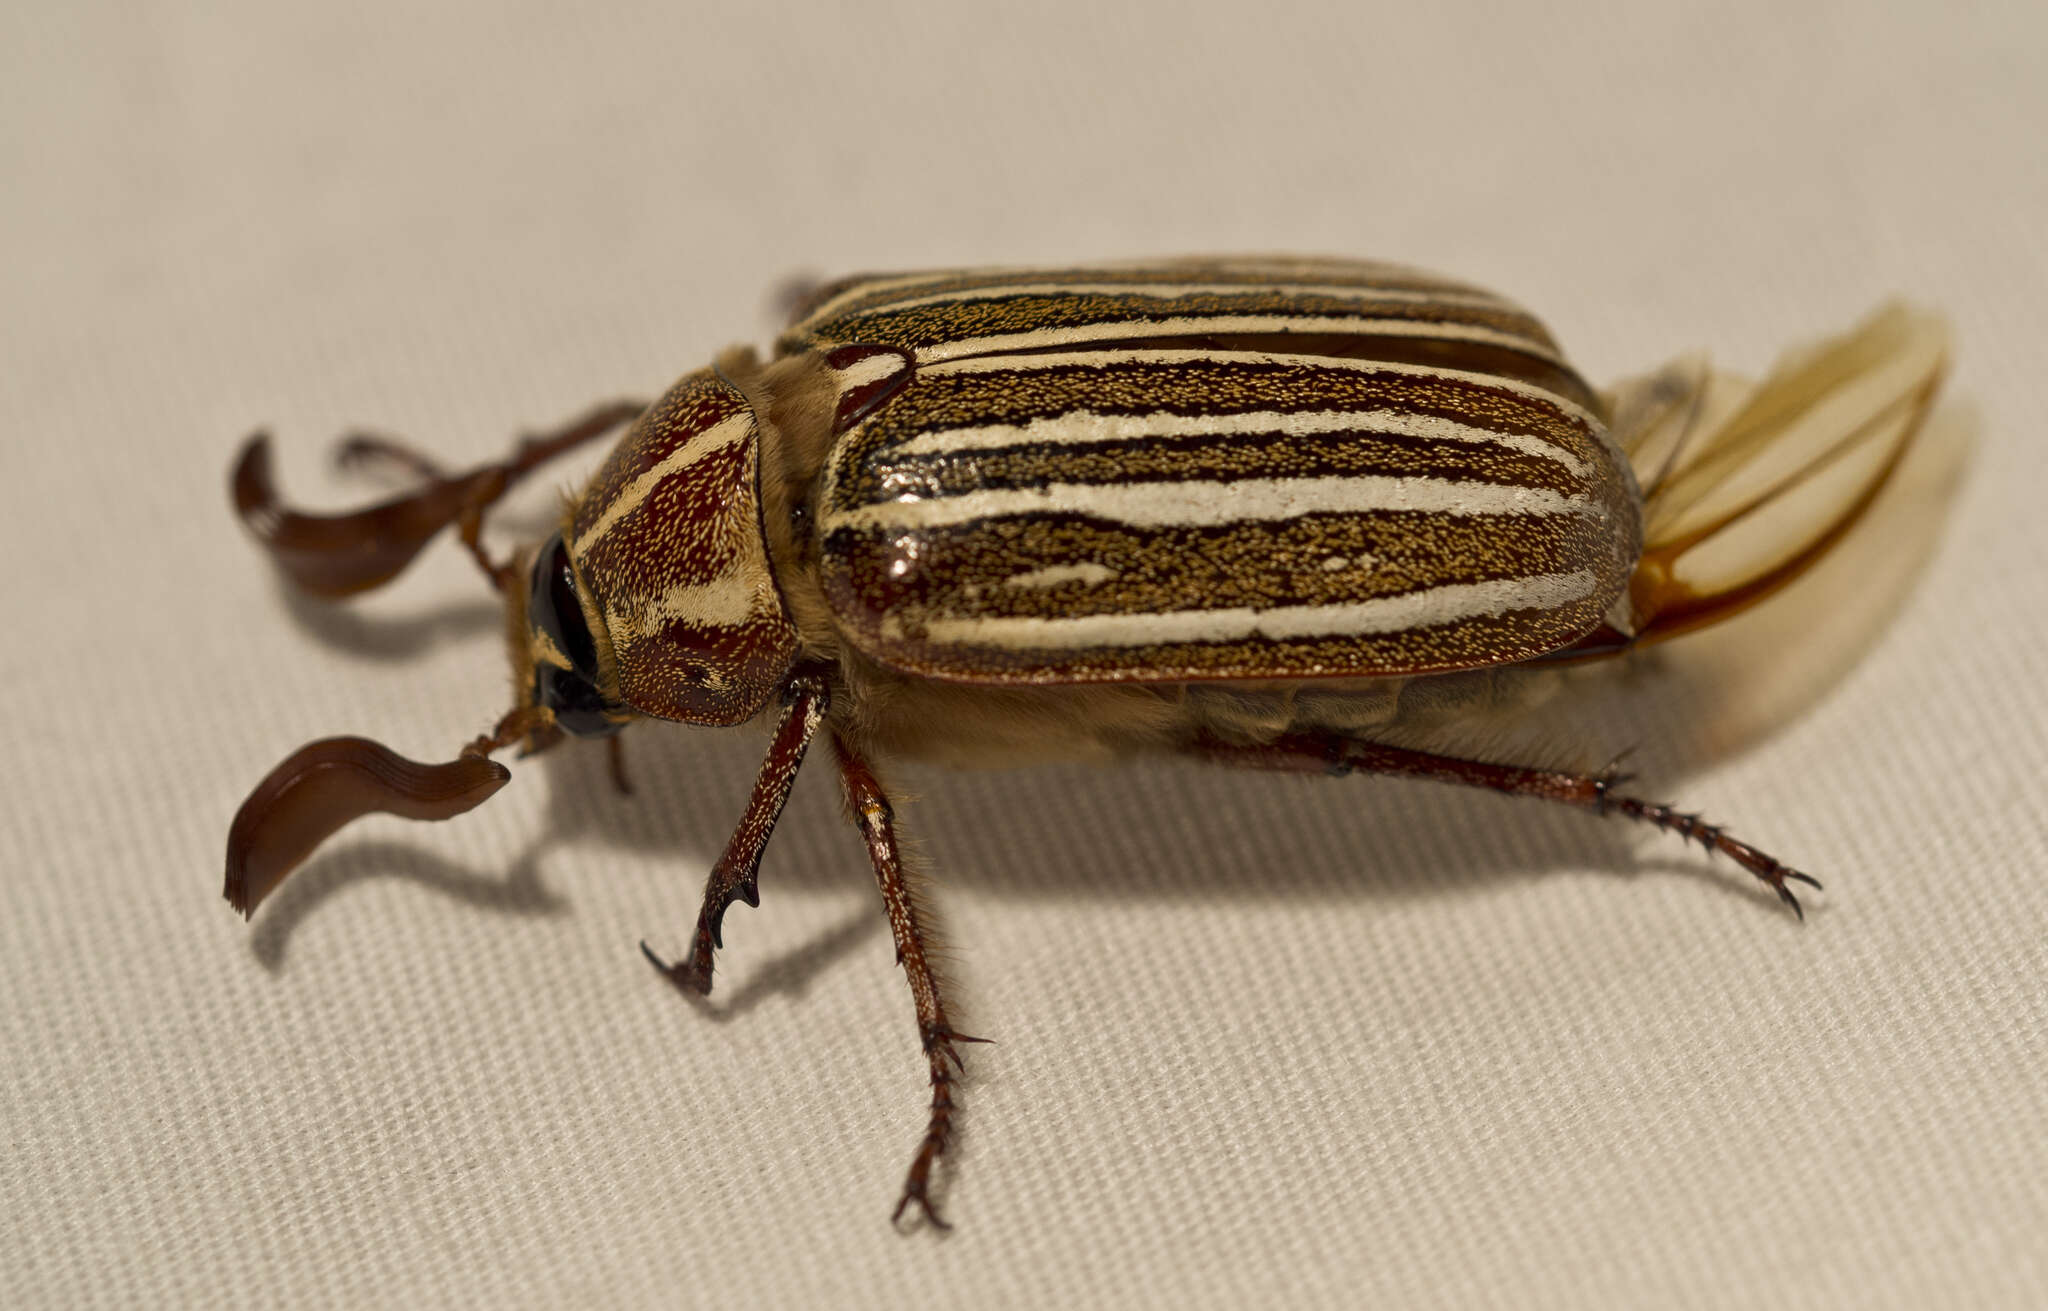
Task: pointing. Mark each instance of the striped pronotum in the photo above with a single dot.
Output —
(668, 551)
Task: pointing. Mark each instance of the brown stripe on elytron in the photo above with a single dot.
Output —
(1063, 566)
(922, 328)
(866, 292)
(1229, 456)
(944, 398)
(1153, 294)
(1470, 643)
(1545, 372)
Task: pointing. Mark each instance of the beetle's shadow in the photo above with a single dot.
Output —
(1182, 831)
(1152, 830)
(516, 891)
(353, 628)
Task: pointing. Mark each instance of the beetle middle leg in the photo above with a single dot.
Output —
(874, 816)
(1317, 753)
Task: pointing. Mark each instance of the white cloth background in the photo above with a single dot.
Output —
(1341, 1044)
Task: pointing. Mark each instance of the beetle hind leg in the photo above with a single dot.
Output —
(873, 815)
(1318, 753)
(1769, 870)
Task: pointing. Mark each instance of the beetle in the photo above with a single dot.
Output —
(1272, 512)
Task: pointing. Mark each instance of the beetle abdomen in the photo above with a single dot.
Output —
(1144, 514)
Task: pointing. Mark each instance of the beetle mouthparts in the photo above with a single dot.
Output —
(325, 784)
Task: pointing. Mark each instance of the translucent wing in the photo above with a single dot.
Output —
(1745, 484)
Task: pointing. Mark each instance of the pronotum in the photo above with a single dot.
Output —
(1275, 513)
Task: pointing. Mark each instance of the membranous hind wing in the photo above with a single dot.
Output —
(1746, 484)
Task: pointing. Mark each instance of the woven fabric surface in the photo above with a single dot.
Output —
(1332, 1043)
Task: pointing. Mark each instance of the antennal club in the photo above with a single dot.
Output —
(324, 785)
(337, 555)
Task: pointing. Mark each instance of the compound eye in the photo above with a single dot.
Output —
(554, 613)
(578, 706)
(554, 609)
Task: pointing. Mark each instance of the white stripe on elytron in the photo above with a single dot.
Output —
(1197, 325)
(1387, 614)
(1184, 503)
(872, 369)
(1107, 359)
(1193, 287)
(709, 442)
(1089, 572)
(1089, 428)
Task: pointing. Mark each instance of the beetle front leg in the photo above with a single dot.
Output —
(874, 816)
(735, 876)
(1318, 753)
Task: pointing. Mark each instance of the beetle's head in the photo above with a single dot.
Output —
(656, 598)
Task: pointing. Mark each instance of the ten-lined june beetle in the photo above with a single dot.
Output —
(1271, 512)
